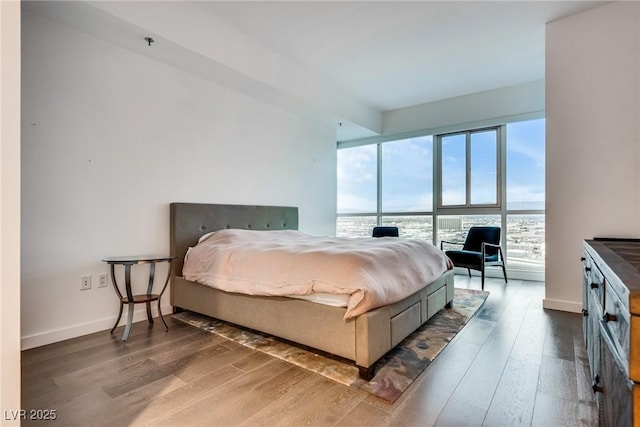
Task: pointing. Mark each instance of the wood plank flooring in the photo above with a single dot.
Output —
(514, 364)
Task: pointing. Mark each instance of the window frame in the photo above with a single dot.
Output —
(468, 206)
(500, 208)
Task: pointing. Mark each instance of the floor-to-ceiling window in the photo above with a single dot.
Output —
(525, 194)
(386, 184)
(435, 187)
(357, 190)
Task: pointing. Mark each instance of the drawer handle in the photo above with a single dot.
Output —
(582, 259)
(585, 312)
(609, 317)
(587, 269)
(594, 286)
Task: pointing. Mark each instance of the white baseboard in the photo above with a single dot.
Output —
(74, 331)
(570, 306)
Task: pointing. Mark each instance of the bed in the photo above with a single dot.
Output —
(362, 339)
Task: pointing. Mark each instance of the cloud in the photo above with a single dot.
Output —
(525, 193)
(357, 165)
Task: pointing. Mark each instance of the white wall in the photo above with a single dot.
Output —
(10, 210)
(593, 156)
(110, 138)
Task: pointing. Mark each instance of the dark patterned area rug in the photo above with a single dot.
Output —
(395, 371)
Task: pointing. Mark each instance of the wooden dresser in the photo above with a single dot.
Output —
(611, 325)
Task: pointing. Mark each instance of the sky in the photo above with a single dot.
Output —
(407, 171)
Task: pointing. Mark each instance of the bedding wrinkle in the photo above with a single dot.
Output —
(373, 272)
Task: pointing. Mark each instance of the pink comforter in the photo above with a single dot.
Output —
(373, 271)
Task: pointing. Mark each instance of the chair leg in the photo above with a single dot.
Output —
(482, 273)
(504, 270)
(469, 270)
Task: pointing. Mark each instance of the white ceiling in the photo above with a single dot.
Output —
(392, 54)
(345, 62)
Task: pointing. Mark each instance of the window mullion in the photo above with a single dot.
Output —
(379, 185)
(502, 182)
(437, 185)
(468, 168)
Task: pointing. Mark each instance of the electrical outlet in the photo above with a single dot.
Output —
(102, 280)
(85, 283)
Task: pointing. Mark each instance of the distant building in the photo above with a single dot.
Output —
(450, 223)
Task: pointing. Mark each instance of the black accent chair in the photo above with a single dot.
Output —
(480, 250)
(385, 231)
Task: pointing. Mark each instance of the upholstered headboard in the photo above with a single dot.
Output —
(189, 221)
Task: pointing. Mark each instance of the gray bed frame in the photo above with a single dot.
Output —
(363, 339)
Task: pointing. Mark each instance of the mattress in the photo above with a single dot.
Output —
(369, 273)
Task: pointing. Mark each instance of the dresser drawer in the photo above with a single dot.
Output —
(404, 323)
(617, 320)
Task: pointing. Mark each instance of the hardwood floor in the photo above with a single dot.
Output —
(513, 364)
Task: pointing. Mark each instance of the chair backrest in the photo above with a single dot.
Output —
(385, 231)
(477, 235)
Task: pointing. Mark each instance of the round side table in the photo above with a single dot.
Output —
(130, 298)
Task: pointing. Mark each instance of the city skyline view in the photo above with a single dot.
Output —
(524, 238)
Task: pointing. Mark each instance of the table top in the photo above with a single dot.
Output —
(137, 259)
(627, 249)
